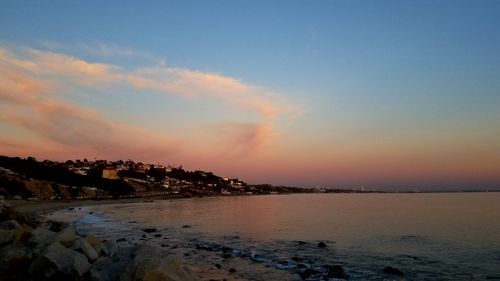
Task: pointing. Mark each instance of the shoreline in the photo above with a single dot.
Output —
(37, 212)
(40, 209)
(35, 207)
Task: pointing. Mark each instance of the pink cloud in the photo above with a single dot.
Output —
(29, 79)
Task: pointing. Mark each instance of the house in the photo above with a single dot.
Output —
(110, 173)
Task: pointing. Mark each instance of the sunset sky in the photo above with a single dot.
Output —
(381, 94)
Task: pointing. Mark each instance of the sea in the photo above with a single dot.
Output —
(426, 236)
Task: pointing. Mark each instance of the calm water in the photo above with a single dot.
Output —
(452, 236)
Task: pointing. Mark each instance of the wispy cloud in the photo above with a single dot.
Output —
(28, 77)
(66, 126)
(98, 49)
(243, 138)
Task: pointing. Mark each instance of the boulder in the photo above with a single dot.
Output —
(59, 263)
(9, 231)
(149, 265)
(321, 245)
(110, 268)
(98, 245)
(17, 258)
(140, 263)
(112, 246)
(81, 245)
(336, 271)
(40, 239)
(66, 236)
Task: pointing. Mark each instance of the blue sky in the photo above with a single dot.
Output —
(364, 87)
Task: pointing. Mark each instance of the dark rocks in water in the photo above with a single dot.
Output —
(411, 257)
(301, 242)
(301, 265)
(164, 245)
(149, 230)
(308, 273)
(336, 271)
(226, 255)
(232, 270)
(157, 235)
(186, 226)
(91, 213)
(205, 248)
(226, 249)
(393, 271)
(297, 259)
(121, 240)
(71, 209)
(322, 245)
(143, 236)
(186, 254)
(218, 265)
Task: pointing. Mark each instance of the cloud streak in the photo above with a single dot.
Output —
(29, 78)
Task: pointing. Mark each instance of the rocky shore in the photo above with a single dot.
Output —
(32, 248)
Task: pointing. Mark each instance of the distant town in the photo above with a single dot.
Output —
(101, 179)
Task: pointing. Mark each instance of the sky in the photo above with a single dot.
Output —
(339, 94)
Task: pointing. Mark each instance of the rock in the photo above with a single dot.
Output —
(41, 238)
(226, 255)
(393, 271)
(111, 246)
(18, 258)
(121, 240)
(57, 226)
(66, 236)
(110, 268)
(308, 273)
(301, 242)
(232, 270)
(218, 265)
(157, 235)
(321, 245)
(149, 230)
(98, 245)
(39, 189)
(81, 245)
(9, 231)
(336, 271)
(141, 263)
(59, 263)
(186, 226)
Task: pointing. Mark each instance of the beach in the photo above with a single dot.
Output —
(357, 236)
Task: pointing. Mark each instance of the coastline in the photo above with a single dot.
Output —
(38, 210)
